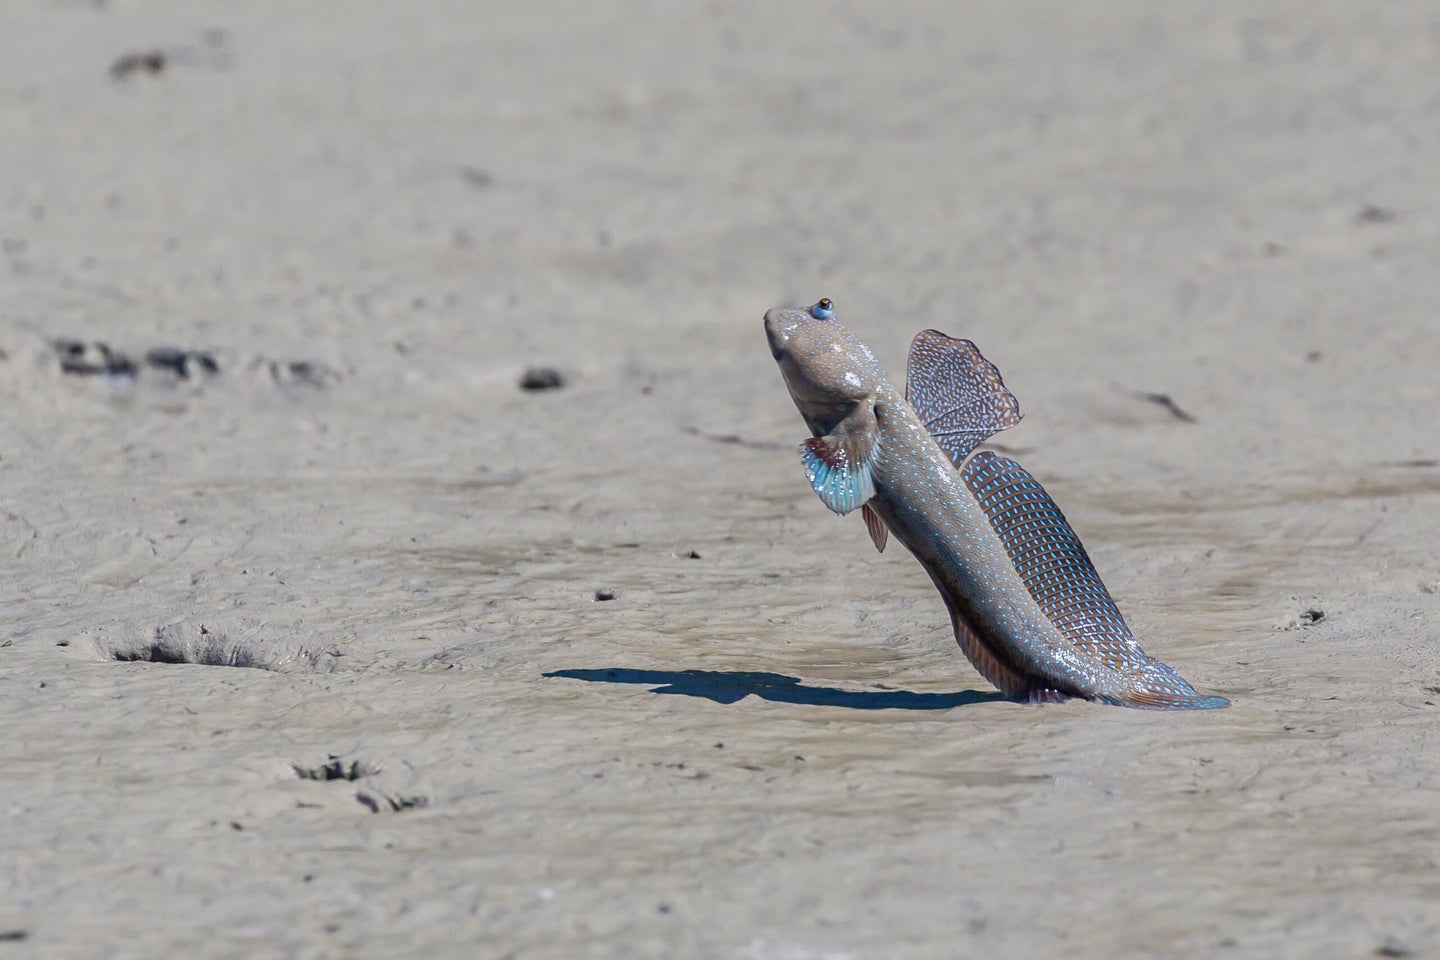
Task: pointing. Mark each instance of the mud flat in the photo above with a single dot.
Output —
(321, 635)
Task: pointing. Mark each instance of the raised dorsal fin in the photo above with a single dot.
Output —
(957, 393)
(1058, 573)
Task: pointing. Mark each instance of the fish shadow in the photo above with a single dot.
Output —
(728, 686)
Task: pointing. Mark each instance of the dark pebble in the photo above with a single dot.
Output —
(151, 62)
(476, 177)
(604, 594)
(542, 378)
(1375, 215)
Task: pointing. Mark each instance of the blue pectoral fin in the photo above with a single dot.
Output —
(839, 473)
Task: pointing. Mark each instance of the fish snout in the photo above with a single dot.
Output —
(776, 332)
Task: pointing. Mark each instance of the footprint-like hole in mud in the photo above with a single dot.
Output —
(92, 359)
(159, 654)
(209, 647)
(383, 801)
(337, 767)
(303, 373)
(161, 651)
(380, 792)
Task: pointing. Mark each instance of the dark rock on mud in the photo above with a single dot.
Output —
(149, 62)
(542, 378)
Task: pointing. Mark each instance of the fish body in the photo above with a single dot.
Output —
(1027, 607)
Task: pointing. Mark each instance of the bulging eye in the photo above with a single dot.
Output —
(823, 309)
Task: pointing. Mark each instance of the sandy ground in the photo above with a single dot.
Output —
(396, 721)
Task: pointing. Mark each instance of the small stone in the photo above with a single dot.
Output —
(1374, 214)
(476, 177)
(1392, 947)
(151, 62)
(602, 595)
(542, 378)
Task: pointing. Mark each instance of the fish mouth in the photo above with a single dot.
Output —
(773, 334)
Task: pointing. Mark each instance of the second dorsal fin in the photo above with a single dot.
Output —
(957, 393)
(1057, 572)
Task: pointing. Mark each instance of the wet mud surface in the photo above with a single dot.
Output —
(404, 562)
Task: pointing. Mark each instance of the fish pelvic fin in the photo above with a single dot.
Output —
(838, 465)
(879, 533)
(957, 393)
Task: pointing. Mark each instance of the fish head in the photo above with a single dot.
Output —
(826, 367)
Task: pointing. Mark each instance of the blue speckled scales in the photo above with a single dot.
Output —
(1050, 558)
(1058, 573)
(957, 393)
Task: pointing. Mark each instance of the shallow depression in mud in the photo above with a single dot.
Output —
(202, 645)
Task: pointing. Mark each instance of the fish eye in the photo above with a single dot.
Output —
(823, 309)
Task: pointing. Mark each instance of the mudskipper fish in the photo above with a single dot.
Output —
(1028, 608)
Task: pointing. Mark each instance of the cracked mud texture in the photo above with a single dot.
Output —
(1228, 205)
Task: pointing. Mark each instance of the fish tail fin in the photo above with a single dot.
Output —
(1157, 700)
(1157, 687)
